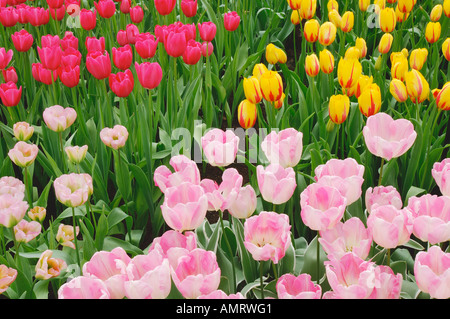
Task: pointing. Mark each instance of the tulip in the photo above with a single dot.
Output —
(347, 21)
(446, 6)
(271, 86)
(220, 147)
(446, 49)
(279, 103)
(70, 76)
(12, 210)
(258, 70)
(388, 19)
(193, 52)
(360, 43)
(363, 82)
(175, 43)
(7, 277)
(22, 13)
(244, 204)
(443, 97)
(125, 6)
(132, 32)
(405, 6)
(284, 148)
(349, 71)
(311, 30)
(83, 287)
(58, 118)
(399, 66)
(37, 213)
(76, 154)
(276, 183)
(275, 55)
(98, 64)
(185, 170)
(398, 90)
(335, 18)
(38, 16)
(115, 137)
(122, 57)
(295, 4)
(23, 131)
(65, 235)
(48, 267)
(363, 5)
(26, 231)
(308, 9)
(440, 173)
(189, 7)
(122, 83)
(173, 244)
(207, 31)
(436, 13)
(94, 44)
(370, 100)
(231, 21)
(326, 61)
(22, 40)
(149, 74)
(388, 138)
(105, 8)
(58, 14)
(290, 286)
(88, 19)
(23, 154)
(432, 32)
(388, 285)
(295, 17)
(385, 43)
(400, 16)
(327, 33)
(338, 108)
(5, 58)
(207, 48)
(146, 45)
(165, 7)
(432, 273)
(72, 189)
(247, 114)
(382, 195)
(10, 94)
(136, 14)
(417, 86)
(312, 65)
(13, 186)
(332, 5)
(8, 17)
(252, 89)
(10, 75)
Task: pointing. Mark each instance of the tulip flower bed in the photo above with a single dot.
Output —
(241, 149)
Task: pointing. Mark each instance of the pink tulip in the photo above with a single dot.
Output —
(26, 231)
(88, 19)
(267, 236)
(149, 277)
(149, 74)
(58, 118)
(220, 294)
(382, 195)
(220, 147)
(390, 226)
(44, 75)
(50, 56)
(322, 207)
(115, 137)
(197, 273)
(146, 45)
(132, 32)
(76, 154)
(38, 16)
(5, 58)
(231, 21)
(173, 244)
(72, 189)
(110, 267)
(98, 64)
(185, 170)
(245, 203)
(290, 286)
(184, 206)
(105, 8)
(165, 7)
(345, 175)
(388, 284)
(432, 272)
(388, 138)
(207, 49)
(207, 31)
(65, 235)
(193, 52)
(136, 14)
(95, 44)
(13, 186)
(12, 210)
(189, 7)
(23, 131)
(7, 277)
(175, 43)
(431, 215)
(48, 267)
(8, 17)
(284, 147)
(10, 75)
(122, 57)
(441, 175)
(122, 37)
(83, 287)
(350, 235)
(10, 94)
(22, 40)
(276, 183)
(23, 154)
(37, 213)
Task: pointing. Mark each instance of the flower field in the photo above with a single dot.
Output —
(241, 149)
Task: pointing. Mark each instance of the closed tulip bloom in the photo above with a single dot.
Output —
(122, 57)
(347, 21)
(398, 90)
(26, 231)
(37, 213)
(279, 103)
(149, 74)
(446, 6)
(399, 66)
(23, 131)
(70, 76)
(335, 18)
(385, 43)
(175, 43)
(220, 147)
(258, 70)
(184, 170)
(247, 114)
(76, 154)
(311, 30)
(5, 58)
(132, 32)
(13, 186)
(95, 44)
(71, 57)
(308, 9)
(231, 21)
(294, 4)
(23, 154)
(432, 272)
(405, 6)
(165, 7)
(312, 65)
(400, 16)
(189, 7)
(207, 48)
(22, 40)
(446, 49)
(284, 147)
(252, 89)
(8, 16)
(207, 31)
(360, 43)
(12, 210)
(436, 13)
(88, 19)
(443, 97)
(363, 5)
(326, 61)
(338, 108)
(432, 32)
(105, 8)
(193, 52)
(295, 17)
(244, 204)
(388, 19)
(98, 64)
(136, 14)
(146, 45)
(332, 5)
(271, 86)
(352, 53)
(274, 54)
(290, 286)
(122, 83)
(327, 33)
(10, 94)
(388, 138)
(83, 287)
(58, 118)
(276, 183)
(441, 173)
(349, 71)
(7, 277)
(49, 267)
(72, 189)
(370, 100)
(363, 82)
(382, 195)
(417, 86)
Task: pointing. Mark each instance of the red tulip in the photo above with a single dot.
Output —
(146, 45)
(69, 40)
(55, 4)
(122, 57)
(38, 16)
(5, 58)
(125, 6)
(58, 14)
(132, 31)
(105, 8)
(71, 57)
(98, 64)
(88, 19)
(50, 57)
(70, 76)
(207, 52)
(231, 21)
(175, 43)
(149, 74)
(122, 83)
(136, 14)
(193, 52)
(207, 31)
(122, 38)
(10, 94)
(10, 75)
(22, 40)
(189, 7)
(44, 75)
(22, 13)
(94, 44)
(8, 16)
(50, 40)
(165, 7)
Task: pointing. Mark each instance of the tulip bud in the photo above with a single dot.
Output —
(275, 55)
(231, 21)
(405, 6)
(105, 8)
(352, 53)
(252, 90)
(436, 13)
(335, 18)
(418, 58)
(432, 32)
(189, 7)
(338, 108)
(311, 30)
(149, 74)
(70, 76)
(88, 19)
(247, 114)
(347, 21)
(312, 65)
(360, 43)
(326, 60)
(23, 131)
(388, 19)
(385, 43)
(399, 65)
(122, 57)
(349, 71)
(207, 31)
(417, 86)
(295, 17)
(308, 9)
(22, 40)
(398, 90)
(363, 5)
(332, 5)
(327, 33)
(37, 213)
(258, 70)
(98, 64)
(443, 97)
(76, 154)
(446, 49)
(165, 7)
(271, 86)
(370, 100)
(10, 94)
(136, 14)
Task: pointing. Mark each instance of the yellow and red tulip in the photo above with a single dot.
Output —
(259, 69)
(360, 43)
(312, 65)
(347, 21)
(252, 89)
(446, 49)
(398, 90)
(295, 17)
(338, 108)
(443, 97)
(385, 43)
(370, 100)
(388, 19)
(436, 13)
(247, 114)
(405, 6)
(271, 86)
(417, 86)
(308, 9)
(311, 30)
(417, 58)
(335, 18)
(327, 33)
(432, 32)
(349, 71)
(363, 5)
(326, 61)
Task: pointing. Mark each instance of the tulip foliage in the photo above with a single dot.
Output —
(224, 149)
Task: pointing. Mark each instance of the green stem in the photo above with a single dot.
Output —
(388, 262)
(381, 171)
(229, 247)
(318, 256)
(261, 279)
(63, 159)
(275, 272)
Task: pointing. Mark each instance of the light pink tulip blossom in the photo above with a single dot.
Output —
(431, 215)
(388, 138)
(432, 272)
(284, 147)
(245, 204)
(197, 273)
(220, 147)
(184, 206)
(72, 189)
(382, 195)
(267, 236)
(48, 267)
(37, 213)
(441, 175)
(65, 235)
(7, 277)
(23, 131)
(110, 267)
(322, 207)
(23, 154)
(13, 186)
(115, 137)
(290, 286)
(83, 287)
(185, 170)
(276, 183)
(76, 154)
(350, 235)
(389, 284)
(12, 210)
(220, 294)
(58, 118)
(390, 226)
(26, 231)
(346, 175)
(221, 197)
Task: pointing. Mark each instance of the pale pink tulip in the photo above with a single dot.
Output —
(322, 207)
(76, 154)
(382, 195)
(110, 267)
(25, 231)
(284, 147)
(220, 147)
(65, 235)
(245, 204)
(58, 118)
(23, 131)
(115, 137)
(441, 175)
(37, 213)
(431, 215)
(276, 183)
(221, 197)
(346, 175)
(23, 154)
(13, 186)
(185, 170)
(12, 210)
(72, 189)
(83, 287)
(388, 285)
(197, 273)
(432, 272)
(388, 138)
(390, 226)
(350, 235)
(7, 277)
(267, 236)
(290, 286)
(220, 294)
(184, 206)
(48, 267)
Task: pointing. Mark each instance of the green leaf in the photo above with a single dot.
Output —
(40, 289)
(101, 231)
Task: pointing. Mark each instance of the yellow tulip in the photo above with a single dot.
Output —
(271, 86)
(401, 16)
(363, 82)
(405, 6)
(332, 5)
(312, 65)
(388, 19)
(349, 71)
(446, 49)
(279, 103)
(370, 100)
(432, 31)
(327, 33)
(308, 9)
(275, 55)
(347, 21)
(259, 69)
(311, 30)
(338, 108)
(247, 114)
(436, 13)
(385, 43)
(435, 92)
(326, 60)
(295, 4)
(295, 17)
(443, 97)
(352, 53)
(379, 5)
(398, 90)
(360, 43)
(363, 5)
(335, 18)
(446, 6)
(399, 65)
(417, 86)
(418, 58)
(252, 89)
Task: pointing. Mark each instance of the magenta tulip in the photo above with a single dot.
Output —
(189, 7)
(88, 19)
(175, 43)
(105, 8)
(5, 58)
(10, 94)
(207, 31)
(122, 57)
(193, 52)
(146, 45)
(136, 14)
(165, 7)
(231, 21)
